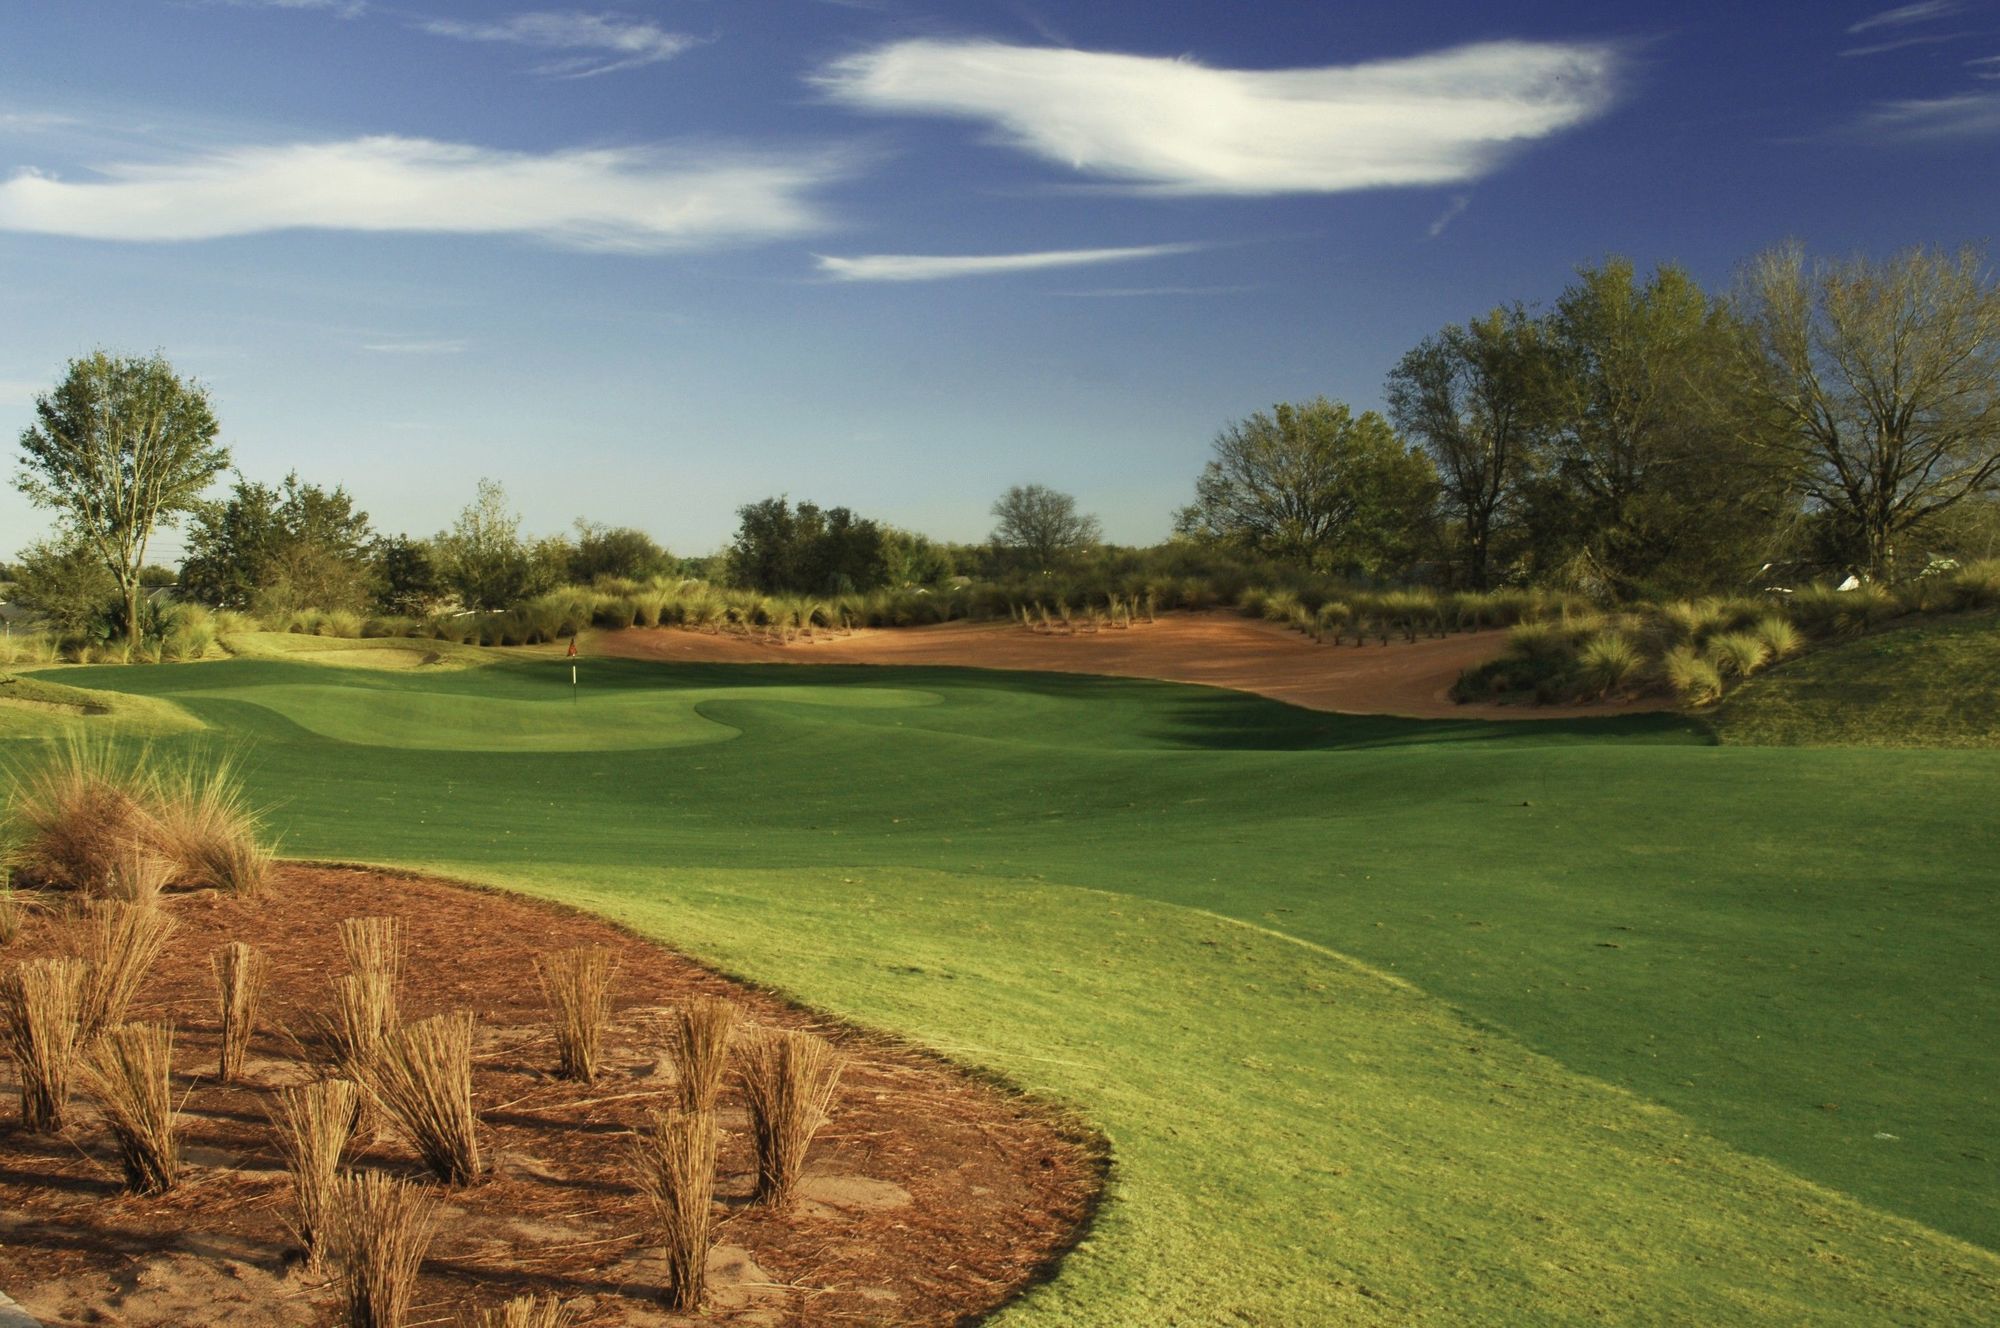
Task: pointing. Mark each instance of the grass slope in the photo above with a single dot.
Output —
(1932, 685)
(1386, 1020)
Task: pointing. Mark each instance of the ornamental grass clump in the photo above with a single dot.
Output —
(673, 1158)
(1738, 654)
(77, 814)
(136, 874)
(204, 824)
(378, 1230)
(41, 1030)
(365, 1014)
(789, 1079)
(422, 1081)
(240, 973)
(576, 984)
(525, 1312)
(313, 1125)
(1779, 637)
(10, 913)
(129, 1071)
(698, 1036)
(1695, 679)
(1609, 660)
(118, 943)
(374, 945)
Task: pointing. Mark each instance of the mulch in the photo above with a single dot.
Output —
(933, 1195)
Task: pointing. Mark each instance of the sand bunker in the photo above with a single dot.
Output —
(1412, 679)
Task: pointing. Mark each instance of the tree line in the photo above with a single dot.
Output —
(1640, 437)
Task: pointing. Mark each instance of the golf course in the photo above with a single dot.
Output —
(1381, 1020)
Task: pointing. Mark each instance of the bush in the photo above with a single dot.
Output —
(1738, 654)
(1609, 660)
(1693, 678)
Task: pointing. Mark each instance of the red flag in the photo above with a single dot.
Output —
(572, 648)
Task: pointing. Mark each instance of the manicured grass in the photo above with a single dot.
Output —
(1385, 1020)
(1935, 684)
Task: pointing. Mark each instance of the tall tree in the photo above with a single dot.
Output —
(806, 549)
(1658, 479)
(1042, 528)
(1476, 398)
(1886, 378)
(280, 548)
(1313, 484)
(482, 556)
(119, 448)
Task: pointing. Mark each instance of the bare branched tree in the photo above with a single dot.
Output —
(1886, 377)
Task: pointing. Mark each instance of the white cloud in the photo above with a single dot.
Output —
(1904, 15)
(1905, 43)
(443, 346)
(603, 198)
(339, 8)
(1451, 213)
(1935, 119)
(932, 267)
(615, 41)
(1180, 127)
(1986, 66)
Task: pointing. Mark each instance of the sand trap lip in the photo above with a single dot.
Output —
(1408, 679)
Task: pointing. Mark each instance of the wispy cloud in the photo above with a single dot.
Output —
(1905, 43)
(1903, 15)
(934, 267)
(446, 346)
(338, 8)
(605, 198)
(606, 43)
(22, 391)
(1180, 127)
(1451, 213)
(1149, 292)
(1935, 119)
(1986, 66)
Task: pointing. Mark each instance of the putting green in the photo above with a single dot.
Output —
(1385, 1021)
(623, 721)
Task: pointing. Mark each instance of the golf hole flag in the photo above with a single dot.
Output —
(572, 647)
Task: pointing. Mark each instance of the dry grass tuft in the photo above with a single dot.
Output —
(789, 1079)
(78, 813)
(129, 1072)
(374, 945)
(119, 942)
(40, 1029)
(525, 1312)
(698, 1035)
(136, 874)
(577, 986)
(378, 1229)
(423, 1081)
(314, 1124)
(10, 914)
(674, 1159)
(202, 822)
(239, 984)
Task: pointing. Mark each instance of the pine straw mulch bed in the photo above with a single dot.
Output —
(931, 1196)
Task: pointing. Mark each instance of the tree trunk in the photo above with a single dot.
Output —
(132, 612)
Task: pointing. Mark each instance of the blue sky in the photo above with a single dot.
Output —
(647, 264)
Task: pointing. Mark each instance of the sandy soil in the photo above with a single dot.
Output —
(1413, 679)
(931, 1196)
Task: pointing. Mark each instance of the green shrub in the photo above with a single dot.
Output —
(1609, 660)
(1738, 654)
(1692, 677)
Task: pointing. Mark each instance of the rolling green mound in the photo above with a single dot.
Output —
(1932, 685)
(1385, 1021)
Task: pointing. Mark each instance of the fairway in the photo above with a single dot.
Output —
(1384, 1020)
